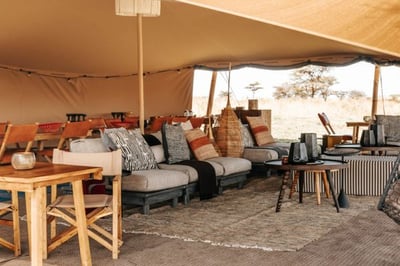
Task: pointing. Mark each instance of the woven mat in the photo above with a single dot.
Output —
(246, 218)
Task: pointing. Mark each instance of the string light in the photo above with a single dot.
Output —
(69, 78)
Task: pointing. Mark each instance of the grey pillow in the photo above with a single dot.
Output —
(136, 153)
(174, 142)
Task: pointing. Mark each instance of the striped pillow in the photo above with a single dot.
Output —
(260, 130)
(200, 144)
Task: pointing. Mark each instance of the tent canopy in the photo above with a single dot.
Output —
(81, 57)
(87, 38)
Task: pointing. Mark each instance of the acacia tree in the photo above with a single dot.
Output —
(253, 87)
(309, 82)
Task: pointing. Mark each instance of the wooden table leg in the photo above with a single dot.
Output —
(301, 186)
(36, 226)
(355, 134)
(282, 191)
(84, 247)
(328, 176)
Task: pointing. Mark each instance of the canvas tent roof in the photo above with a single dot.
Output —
(85, 39)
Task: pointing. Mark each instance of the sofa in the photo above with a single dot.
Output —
(150, 176)
(258, 142)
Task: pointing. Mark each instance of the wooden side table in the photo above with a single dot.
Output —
(326, 165)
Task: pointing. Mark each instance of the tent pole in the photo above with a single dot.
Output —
(140, 72)
(208, 128)
(375, 91)
(212, 92)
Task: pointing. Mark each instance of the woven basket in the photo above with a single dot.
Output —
(229, 137)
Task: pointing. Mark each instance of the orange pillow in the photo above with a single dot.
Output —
(260, 130)
(200, 144)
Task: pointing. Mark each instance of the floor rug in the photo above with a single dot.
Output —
(246, 218)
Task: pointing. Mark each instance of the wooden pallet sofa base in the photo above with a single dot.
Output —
(146, 199)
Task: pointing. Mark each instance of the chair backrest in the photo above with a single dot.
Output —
(111, 162)
(3, 127)
(97, 123)
(326, 123)
(16, 134)
(74, 130)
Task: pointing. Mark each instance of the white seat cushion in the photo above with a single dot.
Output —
(154, 180)
(188, 170)
(232, 165)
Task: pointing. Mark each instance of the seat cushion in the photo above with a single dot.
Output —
(188, 170)
(259, 155)
(153, 180)
(232, 165)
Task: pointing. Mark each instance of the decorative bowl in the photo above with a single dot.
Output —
(23, 160)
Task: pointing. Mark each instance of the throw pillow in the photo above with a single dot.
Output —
(260, 130)
(174, 142)
(151, 139)
(136, 153)
(200, 144)
(248, 140)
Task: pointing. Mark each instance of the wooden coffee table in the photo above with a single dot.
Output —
(324, 165)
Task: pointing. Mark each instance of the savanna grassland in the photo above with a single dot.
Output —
(291, 117)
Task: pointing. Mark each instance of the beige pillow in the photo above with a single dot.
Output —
(260, 130)
(200, 144)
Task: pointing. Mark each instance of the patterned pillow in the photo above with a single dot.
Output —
(248, 140)
(200, 144)
(136, 153)
(260, 130)
(176, 148)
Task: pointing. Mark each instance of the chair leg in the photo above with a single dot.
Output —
(16, 228)
(317, 187)
(295, 178)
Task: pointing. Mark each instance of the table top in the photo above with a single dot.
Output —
(44, 174)
(341, 152)
(380, 148)
(323, 165)
(357, 124)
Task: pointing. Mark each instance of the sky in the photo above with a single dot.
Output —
(358, 76)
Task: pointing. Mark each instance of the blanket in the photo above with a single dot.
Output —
(207, 178)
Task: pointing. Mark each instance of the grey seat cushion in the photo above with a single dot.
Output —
(232, 165)
(188, 170)
(257, 155)
(153, 180)
(272, 151)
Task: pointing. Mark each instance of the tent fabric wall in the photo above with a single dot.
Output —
(87, 42)
(37, 98)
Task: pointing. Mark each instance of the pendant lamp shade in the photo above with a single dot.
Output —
(146, 8)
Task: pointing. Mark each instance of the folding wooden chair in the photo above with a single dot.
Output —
(328, 127)
(72, 130)
(11, 207)
(100, 205)
(14, 137)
